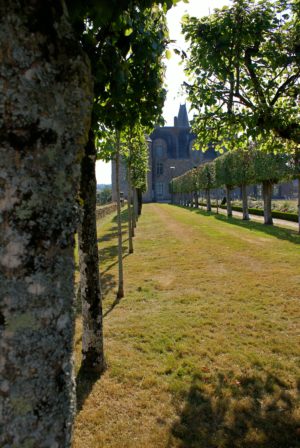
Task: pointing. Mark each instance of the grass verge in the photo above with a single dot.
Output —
(204, 349)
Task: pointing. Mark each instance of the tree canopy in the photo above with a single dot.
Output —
(244, 72)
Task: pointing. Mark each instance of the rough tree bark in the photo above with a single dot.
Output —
(245, 202)
(208, 201)
(90, 291)
(267, 196)
(120, 292)
(228, 201)
(45, 107)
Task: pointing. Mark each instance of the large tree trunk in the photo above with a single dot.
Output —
(228, 201)
(245, 202)
(208, 200)
(267, 196)
(91, 299)
(45, 101)
(120, 292)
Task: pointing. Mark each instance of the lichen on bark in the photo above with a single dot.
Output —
(45, 104)
(90, 291)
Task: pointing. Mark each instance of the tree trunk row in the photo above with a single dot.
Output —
(120, 292)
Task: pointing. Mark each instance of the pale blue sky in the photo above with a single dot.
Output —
(174, 74)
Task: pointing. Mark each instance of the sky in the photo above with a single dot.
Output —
(174, 73)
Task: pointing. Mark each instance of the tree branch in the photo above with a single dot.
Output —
(283, 86)
(251, 71)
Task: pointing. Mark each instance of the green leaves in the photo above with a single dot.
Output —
(237, 168)
(244, 68)
(128, 31)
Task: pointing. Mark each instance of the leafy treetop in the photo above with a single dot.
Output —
(244, 67)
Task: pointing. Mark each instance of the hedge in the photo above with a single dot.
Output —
(256, 211)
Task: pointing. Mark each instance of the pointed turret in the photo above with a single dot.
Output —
(183, 120)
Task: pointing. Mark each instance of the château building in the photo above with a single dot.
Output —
(171, 154)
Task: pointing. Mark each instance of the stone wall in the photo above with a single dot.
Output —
(104, 210)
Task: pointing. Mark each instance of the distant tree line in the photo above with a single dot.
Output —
(237, 168)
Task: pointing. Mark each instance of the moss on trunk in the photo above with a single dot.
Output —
(45, 102)
(91, 298)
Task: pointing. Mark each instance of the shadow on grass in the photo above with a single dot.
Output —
(112, 306)
(85, 381)
(247, 413)
(278, 232)
(112, 233)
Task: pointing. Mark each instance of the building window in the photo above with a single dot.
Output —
(159, 189)
(159, 150)
(159, 169)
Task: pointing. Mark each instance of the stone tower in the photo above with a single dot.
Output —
(171, 154)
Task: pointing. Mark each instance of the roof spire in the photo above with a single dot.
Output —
(183, 120)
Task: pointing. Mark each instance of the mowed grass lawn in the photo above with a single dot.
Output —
(203, 352)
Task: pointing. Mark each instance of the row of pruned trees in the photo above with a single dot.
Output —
(243, 64)
(238, 169)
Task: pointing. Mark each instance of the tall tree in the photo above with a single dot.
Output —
(244, 66)
(45, 102)
(133, 92)
(135, 157)
(117, 37)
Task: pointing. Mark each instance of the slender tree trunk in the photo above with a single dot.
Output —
(120, 292)
(245, 202)
(130, 223)
(208, 201)
(45, 103)
(135, 206)
(297, 165)
(139, 201)
(299, 204)
(267, 195)
(133, 213)
(90, 292)
(196, 200)
(228, 201)
(133, 222)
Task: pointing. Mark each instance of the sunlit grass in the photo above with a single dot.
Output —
(203, 350)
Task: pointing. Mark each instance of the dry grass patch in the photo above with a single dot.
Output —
(203, 351)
